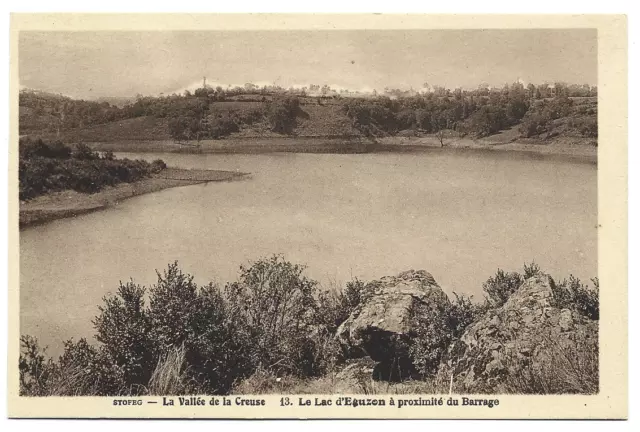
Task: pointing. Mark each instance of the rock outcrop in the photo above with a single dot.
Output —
(527, 331)
(381, 326)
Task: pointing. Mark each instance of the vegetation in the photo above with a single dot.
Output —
(572, 294)
(214, 113)
(565, 369)
(273, 328)
(541, 118)
(54, 167)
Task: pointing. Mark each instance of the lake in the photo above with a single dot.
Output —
(459, 215)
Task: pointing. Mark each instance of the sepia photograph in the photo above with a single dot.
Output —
(246, 216)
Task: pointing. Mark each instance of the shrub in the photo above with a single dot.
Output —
(531, 270)
(462, 313)
(222, 126)
(83, 152)
(430, 340)
(589, 128)
(572, 294)
(435, 330)
(215, 342)
(335, 306)
(158, 165)
(173, 305)
(333, 309)
(500, 286)
(533, 124)
(276, 304)
(211, 341)
(85, 370)
(35, 370)
(357, 292)
(123, 326)
(53, 167)
(282, 112)
(272, 322)
(488, 120)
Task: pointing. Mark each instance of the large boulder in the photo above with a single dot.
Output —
(522, 339)
(382, 326)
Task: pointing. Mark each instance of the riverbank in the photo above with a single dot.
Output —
(70, 203)
(564, 148)
(575, 148)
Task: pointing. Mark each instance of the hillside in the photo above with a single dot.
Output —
(139, 128)
(212, 121)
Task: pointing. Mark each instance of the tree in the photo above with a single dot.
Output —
(440, 135)
(282, 113)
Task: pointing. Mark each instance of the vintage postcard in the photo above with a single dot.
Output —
(318, 216)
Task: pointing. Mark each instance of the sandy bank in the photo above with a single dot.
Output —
(70, 203)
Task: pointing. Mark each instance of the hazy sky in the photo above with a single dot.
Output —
(95, 64)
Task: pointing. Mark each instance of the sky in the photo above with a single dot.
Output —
(100, 64)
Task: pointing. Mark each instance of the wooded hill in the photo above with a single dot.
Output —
(216, 113)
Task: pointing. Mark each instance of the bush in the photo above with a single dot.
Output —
(85, 370)
(123, 326)
(192, 339)
(572, 294)
(274, 322)
(462, 313)
(488, 120)
(335, 306)
(213, 342)
(54, 167)
(589, 127)
(533, 124)
(282, 113)
(158, 165)
(222, 126)
(35, 370)
(500, 286)
(276, 304)
(83, 152)
(430, 340)
(436, 330)
(531, 270)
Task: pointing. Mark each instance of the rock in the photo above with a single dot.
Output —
(381, 327)
(533, 327)
(566, 320)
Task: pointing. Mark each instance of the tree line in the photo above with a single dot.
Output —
(194, 116)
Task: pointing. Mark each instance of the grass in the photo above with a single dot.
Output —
(139, 128)
(170, 377)
(263, 382)
(560, 368)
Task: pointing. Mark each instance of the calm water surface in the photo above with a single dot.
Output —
(458, 215)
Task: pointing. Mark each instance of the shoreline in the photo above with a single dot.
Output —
(577, 149)
(69, 203)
